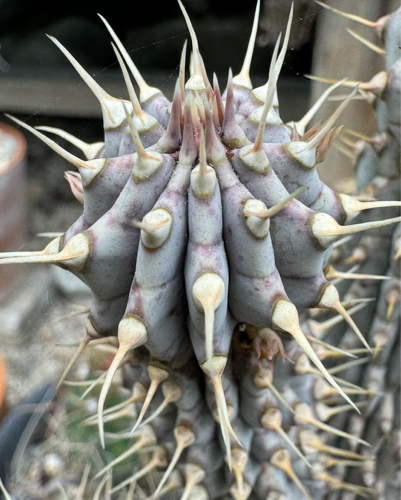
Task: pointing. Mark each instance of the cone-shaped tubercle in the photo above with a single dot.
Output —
(208, 293)
(285, 316)
(240, 458)
(73, 256)
(159, 459)
(233, 136)
(157, 373)
(264, 378)
(331, 299)
(352, 207)
(272, 419)
(310, 442)
(304, 415)
(214, 370)
(147, 162)
(319, 474)
(155, 227)
(256, 218)
(170, 141)
(302, 366)
(184, 437)
(281, 460)
(132, 332)
(256, 208)
(194, 474)
(325, 412)
(188, 152)
(172, 393)
(139, 392)
(173, 483)
(332, 273)
(322, 389)
(326, 230)
(51, 249)
(328, 349)
(74, 179)
(203, 176)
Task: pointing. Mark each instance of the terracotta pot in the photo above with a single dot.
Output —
(2, 386)
(12, 200)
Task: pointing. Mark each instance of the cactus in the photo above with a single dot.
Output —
(205, 233)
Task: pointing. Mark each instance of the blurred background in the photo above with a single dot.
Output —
(39, 86)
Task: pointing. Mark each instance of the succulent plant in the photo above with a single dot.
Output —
(205, 233)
